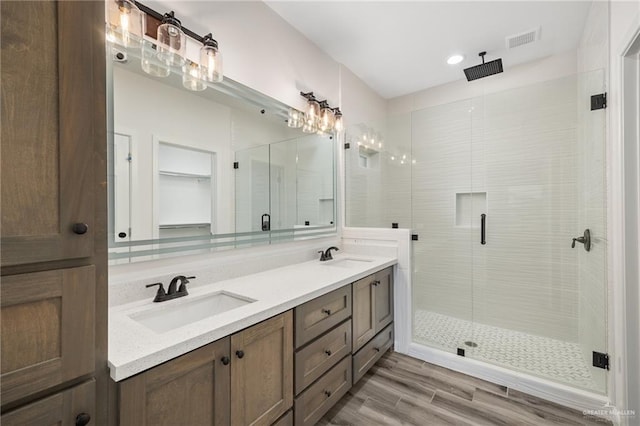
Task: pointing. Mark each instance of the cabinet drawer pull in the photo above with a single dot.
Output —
(80, 228)
(376, 349)
(82, 419)
(240, 354)
(326, 311)
(328, 352)
(376, 282)
(225, 360)
(328, 393)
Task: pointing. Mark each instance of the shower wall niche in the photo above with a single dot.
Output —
(531, 160)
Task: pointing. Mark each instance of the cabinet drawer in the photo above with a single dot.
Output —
(316, 358)
(62, 408)
(323, 394)
(48, 330)
(322, 313)
(372, 352)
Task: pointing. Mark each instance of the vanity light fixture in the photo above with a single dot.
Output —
(338, 124)
(125, 23)
(210, 59)
(150, 63)
(320, 117)
(172, 41)
(327, 118)
(455, 59)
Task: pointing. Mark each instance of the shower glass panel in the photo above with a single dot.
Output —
(527, 165)
(443, 216)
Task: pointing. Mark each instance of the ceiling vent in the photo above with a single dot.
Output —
(523, 38)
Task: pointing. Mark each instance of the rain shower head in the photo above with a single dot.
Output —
(485, 69)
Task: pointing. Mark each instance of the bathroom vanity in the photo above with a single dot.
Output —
(292, 345)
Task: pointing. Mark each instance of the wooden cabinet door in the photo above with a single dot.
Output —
(190, 390)
(383, 288)
(47, 114)
(62, 408)
(364, 321)
(262, 371)
(48, 334)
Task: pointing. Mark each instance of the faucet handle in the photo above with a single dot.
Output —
(161, 294)
(322, 256)
(183, 285)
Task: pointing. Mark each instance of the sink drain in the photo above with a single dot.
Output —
(471, 344)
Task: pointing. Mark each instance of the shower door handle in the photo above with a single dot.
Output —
(483, 229)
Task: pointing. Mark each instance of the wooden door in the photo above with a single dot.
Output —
(48, 114)
(193, 389)
(74, 406)
(262, 371)
(364, 322)
(48, 329)
(383, 288)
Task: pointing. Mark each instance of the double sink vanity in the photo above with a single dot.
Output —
(276, 347)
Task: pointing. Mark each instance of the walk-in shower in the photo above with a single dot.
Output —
(496, 189)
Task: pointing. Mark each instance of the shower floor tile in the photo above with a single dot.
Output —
(541, 356)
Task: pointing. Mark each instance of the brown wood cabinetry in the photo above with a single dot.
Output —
(53, 227)
(322, 313)
(372, 306)
(262, 371)
(244, 379)
(193, 389)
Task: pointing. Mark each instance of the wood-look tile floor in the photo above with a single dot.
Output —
(400, 390)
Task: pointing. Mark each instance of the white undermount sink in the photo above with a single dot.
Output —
(183, 311)
(347, 262)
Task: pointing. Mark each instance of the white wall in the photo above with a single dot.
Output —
(624, 380)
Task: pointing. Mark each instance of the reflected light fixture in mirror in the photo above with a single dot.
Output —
(150, 62)
(172, 41)
(210, 60)
(125, 23)
(192, 77)
(295, 119)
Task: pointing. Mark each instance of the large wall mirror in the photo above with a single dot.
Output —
(194, 172)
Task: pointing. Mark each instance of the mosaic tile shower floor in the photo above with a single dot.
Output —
(539, 356)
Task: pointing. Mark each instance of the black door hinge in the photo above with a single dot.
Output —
(601, 360)
(394, 225)
(347, 145)
(598, 101)
(414, 237)
(235, 165)
(460, 351)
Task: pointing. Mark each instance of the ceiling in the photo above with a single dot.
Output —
(400, 47)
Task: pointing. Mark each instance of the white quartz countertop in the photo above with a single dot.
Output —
(134, 348)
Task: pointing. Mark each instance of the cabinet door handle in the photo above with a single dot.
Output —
(376, 282)
(82, 419)
(225, 360)
(328, 393)
(80, 228)
(328, 352)
(483, 229)
(326, 311)
(240, 354)
(376, 349)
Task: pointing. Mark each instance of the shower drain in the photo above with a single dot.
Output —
(471, 344)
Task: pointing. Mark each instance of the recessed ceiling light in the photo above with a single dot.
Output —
(455, 59)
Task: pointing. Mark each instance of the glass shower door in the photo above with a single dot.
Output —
(442, 208)
(538, 303)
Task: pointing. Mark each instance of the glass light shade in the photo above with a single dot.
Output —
(192, 77)
(327, 119)
(296, 118)
(338, 125)
(172, 42)
(313, 110)
(150, 62)
(211, 60)
(125, 23)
